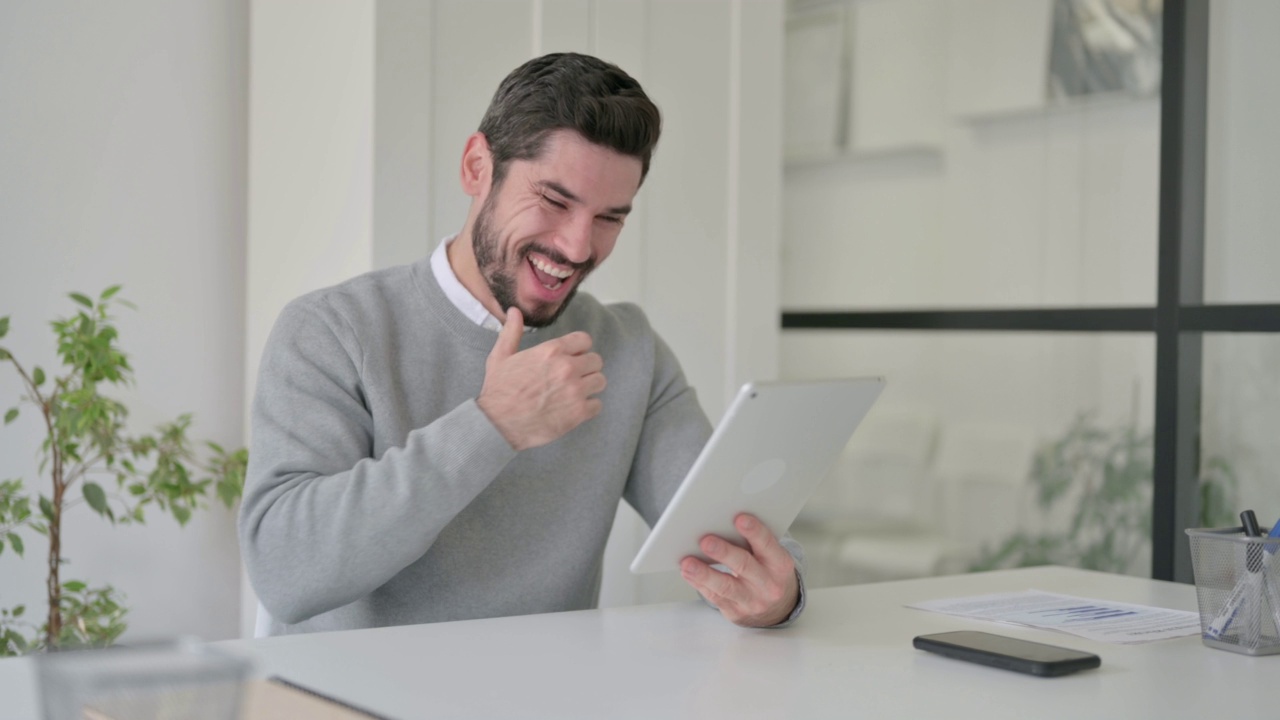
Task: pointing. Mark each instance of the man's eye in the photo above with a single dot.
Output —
(610, 219)
(556, 203)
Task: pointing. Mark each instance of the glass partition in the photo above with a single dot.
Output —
(1242, 255)
(1240, 420)
(986, 450)
(971, 155)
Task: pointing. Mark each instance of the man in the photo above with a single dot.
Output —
(439, 442)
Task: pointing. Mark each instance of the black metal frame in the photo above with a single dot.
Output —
(1048, 319)
(1179, 318)
(1179, 355)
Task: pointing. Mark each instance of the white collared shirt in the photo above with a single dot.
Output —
(462, 298)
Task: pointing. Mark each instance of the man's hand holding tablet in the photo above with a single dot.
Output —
(773, 446)
(760, 588)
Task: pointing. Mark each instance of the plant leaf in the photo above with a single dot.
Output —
(16, 542)
(96, 497)
(11, 415)
(17, 612)
(81, 299)
(106, 294)
(4, 326)
(37, 376)
(73, 586)
(46, 508)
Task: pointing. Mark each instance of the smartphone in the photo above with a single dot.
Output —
(1008, 653)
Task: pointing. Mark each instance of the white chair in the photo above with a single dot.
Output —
(874, 517)
(976, 485)
(262, 624)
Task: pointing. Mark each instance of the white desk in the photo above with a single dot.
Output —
(849, 656)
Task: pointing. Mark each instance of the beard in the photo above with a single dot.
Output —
(499, 268)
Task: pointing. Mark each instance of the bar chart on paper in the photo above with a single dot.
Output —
(1104, 621)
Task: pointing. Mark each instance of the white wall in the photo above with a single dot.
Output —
(122, 160)
(1242, 257)
(1014, 205)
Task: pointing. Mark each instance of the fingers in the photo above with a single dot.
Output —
(717, 587)
(537, 395)
(508, 342)
(575, 343)
(590, 381)
(763, 543)
(760, 587)
(579, 366)
(588, 363)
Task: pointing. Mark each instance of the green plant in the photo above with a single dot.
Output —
(85, 448)
(1107, 472)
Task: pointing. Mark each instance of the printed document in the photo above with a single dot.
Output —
(1101, 620)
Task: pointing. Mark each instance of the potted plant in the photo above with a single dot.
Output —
(1100, 479)
(88, 459)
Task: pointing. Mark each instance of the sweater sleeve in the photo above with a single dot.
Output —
(675, 430)
(323, 523)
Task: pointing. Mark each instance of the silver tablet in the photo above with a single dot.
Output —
(774, 445)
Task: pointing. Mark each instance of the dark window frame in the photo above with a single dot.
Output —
(1179, 318)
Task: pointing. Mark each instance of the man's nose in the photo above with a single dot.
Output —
(574, 238)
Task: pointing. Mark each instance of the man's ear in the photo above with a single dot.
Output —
(477, 166)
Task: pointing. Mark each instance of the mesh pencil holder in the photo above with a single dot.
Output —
(1237, 589)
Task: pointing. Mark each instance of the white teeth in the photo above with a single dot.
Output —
(552, 271)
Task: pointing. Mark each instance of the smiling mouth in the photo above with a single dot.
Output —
(549, 275)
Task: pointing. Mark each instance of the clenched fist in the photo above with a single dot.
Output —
(536, 396)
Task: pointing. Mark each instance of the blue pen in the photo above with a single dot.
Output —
(1275, 533)
(1271, 576)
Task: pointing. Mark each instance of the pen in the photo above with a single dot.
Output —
(1247, 594)
(1271, 577)
(1275, 533)
(1257, 583)
(1253, 553)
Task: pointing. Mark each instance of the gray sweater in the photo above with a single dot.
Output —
(379, 494)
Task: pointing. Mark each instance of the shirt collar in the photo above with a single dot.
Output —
(462, 298)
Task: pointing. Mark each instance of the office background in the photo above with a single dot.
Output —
(219, 158)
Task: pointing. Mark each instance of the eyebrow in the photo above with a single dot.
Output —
(562, 190)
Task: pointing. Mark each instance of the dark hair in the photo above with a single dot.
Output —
(569, 91)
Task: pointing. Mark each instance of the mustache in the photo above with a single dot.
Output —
(557, 257)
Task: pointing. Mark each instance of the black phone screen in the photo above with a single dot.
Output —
(1008, 653)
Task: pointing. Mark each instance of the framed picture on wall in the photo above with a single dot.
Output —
(1105, 46)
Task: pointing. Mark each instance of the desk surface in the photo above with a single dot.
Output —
(850, 655)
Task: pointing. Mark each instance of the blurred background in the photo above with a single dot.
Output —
(840, 158)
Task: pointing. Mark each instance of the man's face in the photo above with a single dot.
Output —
(550, 222)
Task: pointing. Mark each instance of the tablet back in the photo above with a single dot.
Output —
(776, 442)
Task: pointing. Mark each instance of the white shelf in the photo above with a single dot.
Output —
(851, 157)
(1103, 101)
